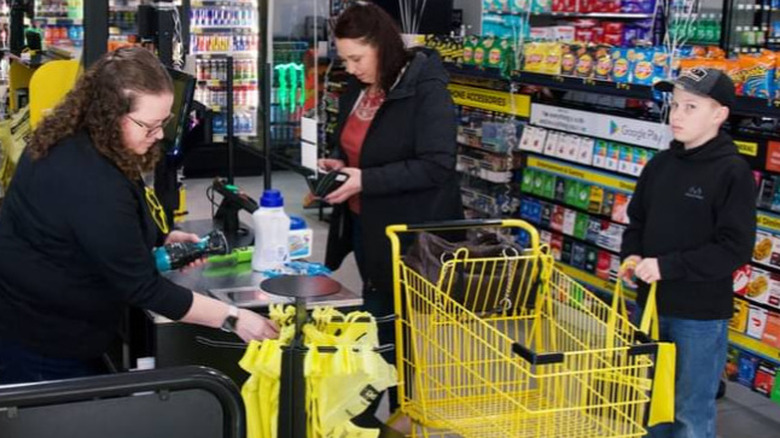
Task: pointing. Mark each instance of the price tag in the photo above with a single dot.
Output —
(558, 79)
(623, 86)
(589, 81)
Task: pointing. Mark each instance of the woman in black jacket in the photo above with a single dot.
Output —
(396, 141)
(78, 226)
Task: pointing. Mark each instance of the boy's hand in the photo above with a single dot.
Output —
(648, 271)
(627, 270)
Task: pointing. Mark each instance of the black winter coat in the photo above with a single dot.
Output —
(408, 168)
(695, 211)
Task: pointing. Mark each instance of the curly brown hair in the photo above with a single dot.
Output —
(104, 94)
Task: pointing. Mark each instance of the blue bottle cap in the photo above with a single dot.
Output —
(272, 198)
(297, 223)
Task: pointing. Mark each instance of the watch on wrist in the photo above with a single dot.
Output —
(231, 320)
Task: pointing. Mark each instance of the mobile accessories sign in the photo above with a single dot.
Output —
(620, 129)
(490, 100)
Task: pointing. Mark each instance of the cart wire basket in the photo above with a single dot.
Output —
(524, 351)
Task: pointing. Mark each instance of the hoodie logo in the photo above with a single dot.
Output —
(695, 193)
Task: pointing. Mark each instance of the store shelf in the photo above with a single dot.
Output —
(754, 346)
(757, 107)
(200, 3)
(197, 29)
(592, 280)
(609, 15)
(218, 108)
(227, 53)
(62, 21)
(123, 8)
(748, 106)
(220, 138)
(221, 82)
(581, 173)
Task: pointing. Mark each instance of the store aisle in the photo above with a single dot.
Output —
(741, 414)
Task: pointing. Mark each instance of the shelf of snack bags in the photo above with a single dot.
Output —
(618, 71)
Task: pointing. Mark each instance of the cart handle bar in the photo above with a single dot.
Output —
(466, 224)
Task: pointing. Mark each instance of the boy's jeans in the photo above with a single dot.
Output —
(701, 357)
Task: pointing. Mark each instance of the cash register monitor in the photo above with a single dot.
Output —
(165, 180)
(183, 93)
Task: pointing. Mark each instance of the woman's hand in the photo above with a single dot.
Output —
(350, 188)
(251, 326)
(648, 271)
(177, 236)
(330, 164)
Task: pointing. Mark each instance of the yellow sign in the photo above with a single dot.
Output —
(747, 148)
(770, 223)
(490, 100)
(570, 171)
(754, 345)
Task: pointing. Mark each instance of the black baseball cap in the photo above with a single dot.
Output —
(707, 82)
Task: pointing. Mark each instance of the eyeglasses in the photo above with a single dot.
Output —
(156, 209)
(151, 131)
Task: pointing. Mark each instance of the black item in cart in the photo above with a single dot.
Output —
(186, 402)
(430, 252)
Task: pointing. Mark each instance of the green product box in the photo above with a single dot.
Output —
(538, 183)
(583, 197)
(776, 389)
(548, 186)
(527, 184)
(581, 226)
(572, 189)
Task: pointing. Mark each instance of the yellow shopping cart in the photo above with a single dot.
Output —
(551, 359)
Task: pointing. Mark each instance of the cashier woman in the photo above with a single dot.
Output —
(78, 225)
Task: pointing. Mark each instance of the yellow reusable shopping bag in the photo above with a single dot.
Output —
(344, 373)
(662, 399)
(662, 395)
(263, 362)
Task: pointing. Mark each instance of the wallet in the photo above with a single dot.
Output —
(327, 183)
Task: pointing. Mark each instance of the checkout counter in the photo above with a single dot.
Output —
(177, 344)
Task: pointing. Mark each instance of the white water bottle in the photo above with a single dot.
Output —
(272, 231)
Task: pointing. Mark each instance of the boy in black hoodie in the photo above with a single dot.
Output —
(692, 223)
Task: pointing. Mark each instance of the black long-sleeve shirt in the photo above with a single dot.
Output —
(695, 211)
(75, 251)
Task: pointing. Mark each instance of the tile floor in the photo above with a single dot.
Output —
(741, 414)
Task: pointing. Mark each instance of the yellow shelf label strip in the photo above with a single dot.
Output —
(491, 100)
(745, 342)
(571, 171)
(768, 222)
